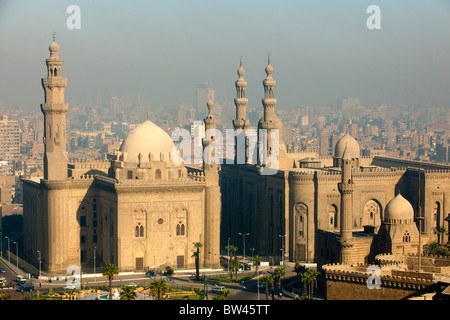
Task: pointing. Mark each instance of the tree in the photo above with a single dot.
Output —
(279, 274)
(221, 295)
(268, 281)
(435, 248)
(159, 287)
(128, 293)
(299, 268)
(197, 245)
(256, 261)
(109, 271)
(304, 277)
(440, 232)
(231, 248)
(313, 274)
(235, 267)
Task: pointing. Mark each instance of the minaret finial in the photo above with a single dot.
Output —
(240, 58)
(54, 34)
(268, 58)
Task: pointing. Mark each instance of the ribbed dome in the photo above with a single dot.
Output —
(146, 138)
(347, 141)
(399, 210)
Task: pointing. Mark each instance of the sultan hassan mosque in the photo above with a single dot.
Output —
(143, 210)
(140, 210)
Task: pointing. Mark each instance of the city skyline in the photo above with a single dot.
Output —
(320, 52)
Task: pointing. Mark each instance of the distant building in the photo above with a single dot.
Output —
(9, 139)
(205, 92)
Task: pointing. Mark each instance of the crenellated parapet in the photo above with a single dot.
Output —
(346, 273)
(90, 164)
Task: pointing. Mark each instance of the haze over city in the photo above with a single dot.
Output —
(156, 53)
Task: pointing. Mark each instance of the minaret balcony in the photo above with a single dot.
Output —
(54, 82)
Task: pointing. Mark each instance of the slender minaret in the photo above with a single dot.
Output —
(210, 163)
(54, 109)
(212, 192)
(241, 122)
(346, 188)
(269, 120)
(241, 101)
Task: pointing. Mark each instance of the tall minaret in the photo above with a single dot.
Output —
(241, 101)
(269, 120)
(241, 122)
(54, 109)
(346, 188)
(212, 192)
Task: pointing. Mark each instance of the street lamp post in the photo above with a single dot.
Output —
(9, 253)
(39, 266)
(95, 248)
(228, 255)
(17, 256)
(243, 236)
(282, 246)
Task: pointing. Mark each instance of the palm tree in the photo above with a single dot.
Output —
(256, 260)
(304, 277)
(197, 245)
(440, 232)
(435, 248)
(159, 287)
(109, 271)
(231, 248)
(279, 274)
(313, 274)
(235, 267)
(128, 293)
(299, 268)
(267, 280)
(221, 295)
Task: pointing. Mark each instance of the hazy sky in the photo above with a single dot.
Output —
(161, 50)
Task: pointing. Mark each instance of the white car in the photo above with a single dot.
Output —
(70, 287)
(217, 288)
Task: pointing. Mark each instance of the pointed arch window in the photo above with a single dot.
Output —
(181, 229)
(139, 231)
(406, 237)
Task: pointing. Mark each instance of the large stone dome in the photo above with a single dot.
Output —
(399, 210)
(144, 139)
(347, 141)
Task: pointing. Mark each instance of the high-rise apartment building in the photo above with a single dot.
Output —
(9, 139)
(205, 92)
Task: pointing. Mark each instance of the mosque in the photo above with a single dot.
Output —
(340, 209)
(141, 210)
(144, 210)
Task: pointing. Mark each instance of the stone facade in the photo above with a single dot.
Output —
(296, 213)
(139, 210)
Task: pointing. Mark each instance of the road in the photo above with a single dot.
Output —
(181, 280)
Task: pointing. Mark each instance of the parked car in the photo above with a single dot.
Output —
(131, 285)
(20, 279)
(70, 287)
(217, 288)
(151, 273)
(26, 287)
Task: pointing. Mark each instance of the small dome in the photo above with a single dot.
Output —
(144, 139)
(269, 69)
(54, 47)
(241, 71)
(347, 141)
(399, 209)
